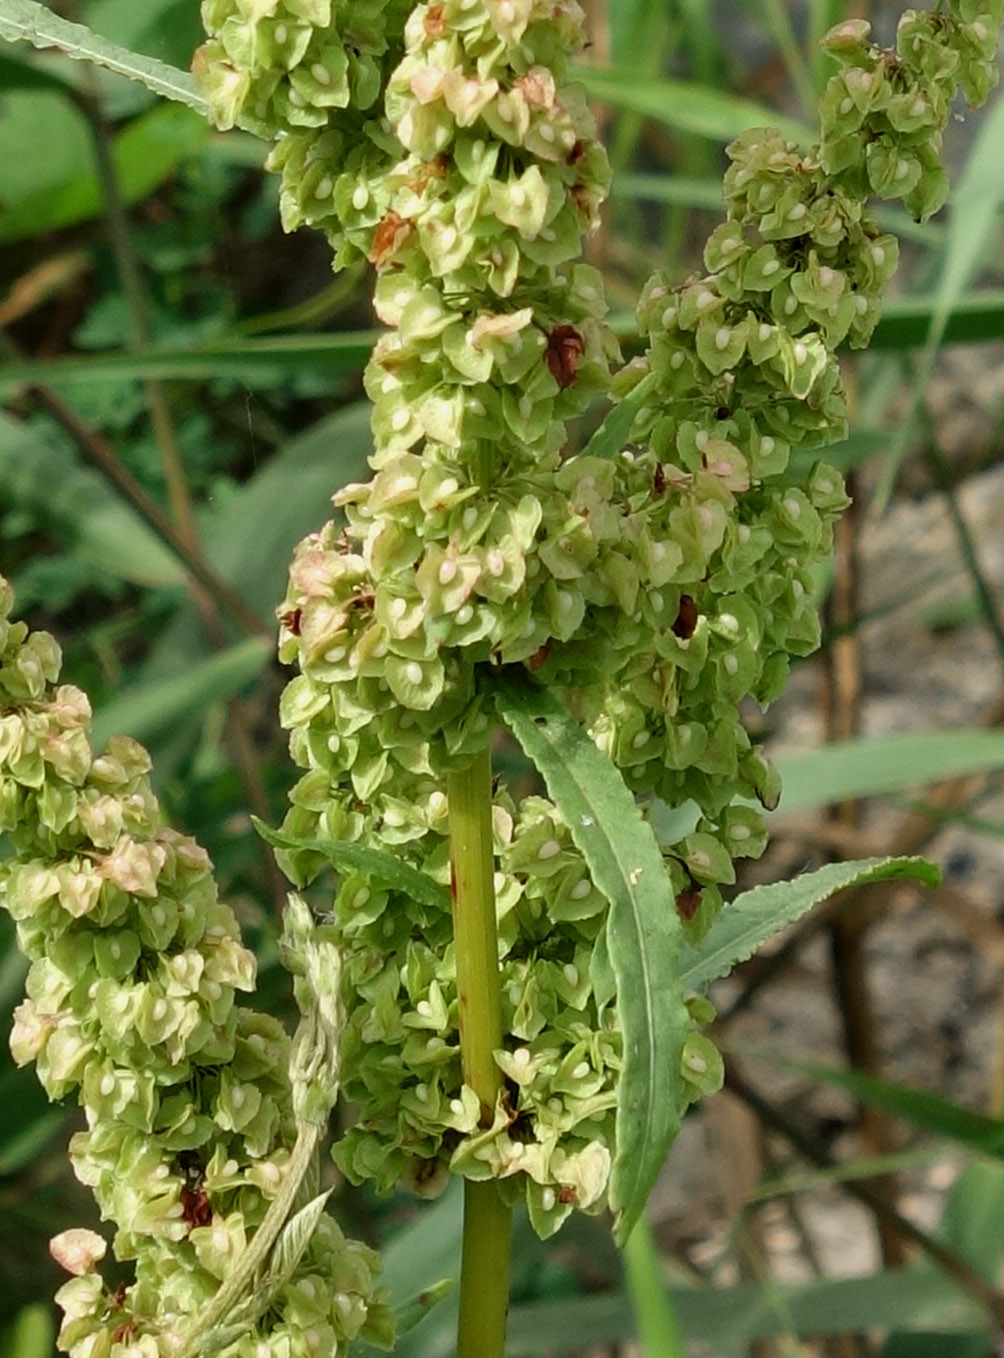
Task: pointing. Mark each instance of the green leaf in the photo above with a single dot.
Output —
(726, 1320)
(972, 1226)
(658, 1330)
(79, 508)
(257, 361)
(685, 106)
(377, 864)
(643, 931)
(410, 1312)
(972, 1129)
(975, 211)
(906, 322)
(16, 73)
(32, 1334)
(146, 152)
(613, 433)
(27, 21)
(875, 768)
(754, 916)
(250, 541)
(155, 708)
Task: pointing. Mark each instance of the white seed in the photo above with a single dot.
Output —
(846, 105)
(669, 317)
(764, 332)
(793, 508)
(790, 305)
(361, 898)
(676, 361)
(771, 267)
(581, 890)
(107, 1085)
(570, 973)
(424, 1008)
(159, 1008)
(521, 1056)
(581, 1070)
(495, 562)
(448, 572)
(456, 1106)
(464, 614)
(878, 255)
(469, 518)
(320, 73)
(731, 663)
(655, 598)
(701, 440)
(739, 832)
(548, 849)
(801, 352)
(796, 213)
(399, 420)
(641, 739)
(722, 338)
(695, 1063)
(547, 1199)
(706, 299)
(413, 672)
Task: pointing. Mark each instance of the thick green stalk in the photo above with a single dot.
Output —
(484, 1273)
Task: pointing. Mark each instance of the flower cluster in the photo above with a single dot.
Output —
(130, 1006)
(653, 590)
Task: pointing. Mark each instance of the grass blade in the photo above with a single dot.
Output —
(684, 106)
(643, 931)
(156, 708)
(258, 361)
(974, 1130)
(875, 768)
(650, 1298)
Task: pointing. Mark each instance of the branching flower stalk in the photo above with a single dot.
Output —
(651, 587)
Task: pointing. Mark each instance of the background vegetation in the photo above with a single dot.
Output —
(180, 389)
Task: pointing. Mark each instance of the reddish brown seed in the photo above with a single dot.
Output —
(658, 480)
(435, 24)
(686, 619)
(391, 233)
(198, 1210)
(291, 620)
(539, 658)
(688, 902)
(565, 346)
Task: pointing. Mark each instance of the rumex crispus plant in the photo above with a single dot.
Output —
(508, 992)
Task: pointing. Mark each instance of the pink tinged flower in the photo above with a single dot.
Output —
(77, 1250)
(134, 866)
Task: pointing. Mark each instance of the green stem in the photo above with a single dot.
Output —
(484, 1272)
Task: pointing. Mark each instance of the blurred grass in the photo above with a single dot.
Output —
(268, 425)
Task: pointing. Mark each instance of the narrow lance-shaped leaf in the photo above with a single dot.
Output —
(28, 21)
(643, 931)
(757, 915)
(377, 864)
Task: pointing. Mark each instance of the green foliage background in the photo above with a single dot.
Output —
(164, 345)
